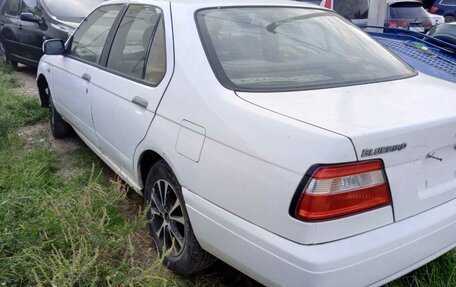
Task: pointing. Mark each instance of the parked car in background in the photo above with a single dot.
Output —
(26, 24)
(435, 19)
(409, 15)
(445, 32)
(406, 14)
(355, 10)
(446, 8)
(288, 143)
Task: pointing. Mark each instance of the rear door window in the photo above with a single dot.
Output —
(352, 9)
(13, 8)
(133, 41)
(90, 38)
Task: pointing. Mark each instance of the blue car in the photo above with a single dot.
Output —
(446, 8)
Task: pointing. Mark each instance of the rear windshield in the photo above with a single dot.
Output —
(280, 49)
(407, 10)
(72, 11)
(316, 2)
(352, 9)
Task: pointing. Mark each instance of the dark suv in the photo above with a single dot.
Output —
(26, 24)
(446, 8)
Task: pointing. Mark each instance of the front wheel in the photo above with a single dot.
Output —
(5, 58)
(169, 223)
(59, 128)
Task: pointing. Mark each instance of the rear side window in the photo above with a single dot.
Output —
(13, 8)
(156, 65)
(352, 9)
(283, 49)
(90, 38)
(132, 42)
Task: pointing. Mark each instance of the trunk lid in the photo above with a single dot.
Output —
(410, 124)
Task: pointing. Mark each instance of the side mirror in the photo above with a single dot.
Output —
(29, 17)
(54, 47)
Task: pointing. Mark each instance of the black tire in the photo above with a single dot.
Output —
(59, 128)
(5, 58)
(181, 254)
(450, 18)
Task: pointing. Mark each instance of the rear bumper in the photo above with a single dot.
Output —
(369, 259)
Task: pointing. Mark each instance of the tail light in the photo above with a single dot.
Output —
(433, 9)
(328, 4)
(427, 24)
(401, 24)
(345, 189)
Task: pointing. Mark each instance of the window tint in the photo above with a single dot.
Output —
(29, 6)
(13, 8)
(131, 43)
(90, 38)
(156, 65)
(352, 9)
(282, 49)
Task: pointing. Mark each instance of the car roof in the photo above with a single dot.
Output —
(219, 3)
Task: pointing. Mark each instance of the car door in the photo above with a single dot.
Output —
(33, 34)
(126, 95)
(11, 32)
(71, 83)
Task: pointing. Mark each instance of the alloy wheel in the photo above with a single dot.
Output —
(167, 217)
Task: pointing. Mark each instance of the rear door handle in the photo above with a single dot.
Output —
(86, 77)
(140, 102)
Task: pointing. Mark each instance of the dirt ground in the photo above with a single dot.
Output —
(220, 274)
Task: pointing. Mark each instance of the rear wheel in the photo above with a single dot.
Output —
(5, 58)
(169, 223)
(59, 128)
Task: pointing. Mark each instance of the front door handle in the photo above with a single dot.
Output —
(86, 77)
(140, 102)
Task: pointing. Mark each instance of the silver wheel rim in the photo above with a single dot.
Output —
(167, 218)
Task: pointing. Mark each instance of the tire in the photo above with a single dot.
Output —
(5, 58)
(169, 224)
(59, 128)
(449, 19)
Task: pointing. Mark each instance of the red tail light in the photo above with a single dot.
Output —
(392, 24)
(427, 24)
(328, 4)
(433, 9)
(341, 190)
(401, 24)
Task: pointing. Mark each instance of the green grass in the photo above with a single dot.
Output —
(56, 231)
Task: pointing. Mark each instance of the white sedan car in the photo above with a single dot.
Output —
(273, 135)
